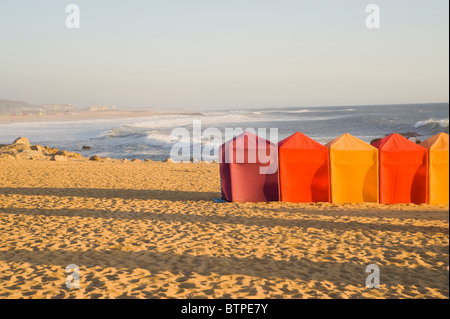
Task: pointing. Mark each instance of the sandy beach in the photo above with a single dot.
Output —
(234, 150)
(151, 230)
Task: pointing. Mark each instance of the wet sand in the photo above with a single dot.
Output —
(151, 230)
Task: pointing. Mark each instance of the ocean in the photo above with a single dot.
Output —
(150, 137)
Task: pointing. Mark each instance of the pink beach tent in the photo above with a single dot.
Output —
(249, 169)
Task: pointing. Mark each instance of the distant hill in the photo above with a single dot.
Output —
(7, 106)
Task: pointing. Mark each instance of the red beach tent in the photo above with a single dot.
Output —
(304, 170)
(403, 170)
(243, 161)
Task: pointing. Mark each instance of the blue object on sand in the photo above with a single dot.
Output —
(219, 200)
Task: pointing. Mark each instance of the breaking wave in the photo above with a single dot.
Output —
(433, 123)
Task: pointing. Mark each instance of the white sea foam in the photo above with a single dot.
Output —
(444, 123)
(150, 137)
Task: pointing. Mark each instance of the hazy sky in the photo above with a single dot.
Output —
(224, 53)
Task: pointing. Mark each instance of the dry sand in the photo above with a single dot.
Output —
(151, 230)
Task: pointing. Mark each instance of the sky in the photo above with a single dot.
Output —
(216, 54)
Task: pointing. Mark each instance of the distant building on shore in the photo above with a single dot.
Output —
(102, 108)
(58, 108)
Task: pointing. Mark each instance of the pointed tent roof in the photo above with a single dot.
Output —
(349, 142)
(300, 141)
(439, 142)
(397, 142)
(247, 140)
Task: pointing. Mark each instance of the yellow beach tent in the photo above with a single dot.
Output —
(438, 168)
(354, 170)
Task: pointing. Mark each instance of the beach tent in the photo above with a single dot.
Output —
(437, 168)
(304, 172)
(353, 170)
(403, 170)
(249, 169)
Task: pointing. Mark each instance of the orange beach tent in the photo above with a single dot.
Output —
(437, 168)
(403, 170)
(303, 170)
(242, 163)
(353, 170)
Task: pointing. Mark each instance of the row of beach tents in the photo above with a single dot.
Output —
(346, 170)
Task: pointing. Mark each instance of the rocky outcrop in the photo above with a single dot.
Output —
(22, 140)
(30, 155)
(50, 151)
(21, 149)
(38, 148)
(13, 149)
(68, 154)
